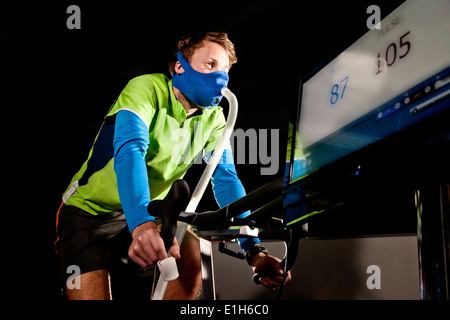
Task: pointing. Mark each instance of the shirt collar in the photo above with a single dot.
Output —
(177, 108)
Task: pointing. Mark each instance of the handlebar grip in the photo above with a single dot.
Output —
(268, 272)
(169, 209)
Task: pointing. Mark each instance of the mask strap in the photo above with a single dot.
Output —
(184, 63)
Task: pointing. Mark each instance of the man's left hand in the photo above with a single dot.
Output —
(261, 262)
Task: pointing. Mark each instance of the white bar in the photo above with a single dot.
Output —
(215, 158)
(203, 182)
(160, 289)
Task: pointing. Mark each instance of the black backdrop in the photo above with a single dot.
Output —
(60, 83)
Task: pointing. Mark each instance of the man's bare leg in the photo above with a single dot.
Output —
(188, 284)
(94, 285)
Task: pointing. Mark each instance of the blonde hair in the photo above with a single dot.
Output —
(188, 44)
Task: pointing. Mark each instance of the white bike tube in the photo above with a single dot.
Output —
(205, 178)
(215, 158)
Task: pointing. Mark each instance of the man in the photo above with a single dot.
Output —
(140, 151)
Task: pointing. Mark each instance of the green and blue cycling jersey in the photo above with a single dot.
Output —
(146, 142)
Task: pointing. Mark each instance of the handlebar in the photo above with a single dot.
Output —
(252, 201)
(268, 272)
(291, 239)
(169, 209)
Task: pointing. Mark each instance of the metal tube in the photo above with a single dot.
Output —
(209, 170)
(206, 176)
(252, 201)
(212, 164)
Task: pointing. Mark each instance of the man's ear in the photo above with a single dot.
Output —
(178, 68)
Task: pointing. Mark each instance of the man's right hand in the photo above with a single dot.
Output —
(147, 247)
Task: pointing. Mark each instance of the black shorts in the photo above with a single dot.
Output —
(100, 242)
(88, 241)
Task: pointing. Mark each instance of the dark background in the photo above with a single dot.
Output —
(61, 82)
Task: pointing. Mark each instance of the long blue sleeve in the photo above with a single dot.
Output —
(131, 141)
(228, 188)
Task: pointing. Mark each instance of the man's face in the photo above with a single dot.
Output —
(209, 58)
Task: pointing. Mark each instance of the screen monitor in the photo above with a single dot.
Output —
(386, 81)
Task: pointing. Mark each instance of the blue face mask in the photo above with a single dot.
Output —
(204, 89)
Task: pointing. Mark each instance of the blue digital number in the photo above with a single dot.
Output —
(334, 95)
(335, 91)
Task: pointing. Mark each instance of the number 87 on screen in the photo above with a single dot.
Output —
(338, 90)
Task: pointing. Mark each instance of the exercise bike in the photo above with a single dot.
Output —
(178, 210)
